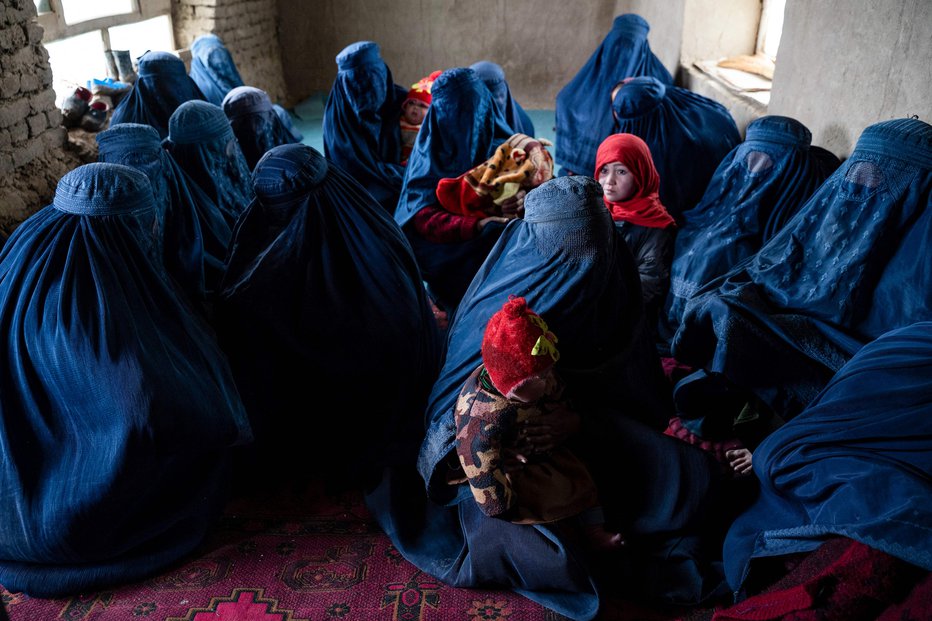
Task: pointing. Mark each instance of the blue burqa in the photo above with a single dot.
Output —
(161, 86)
(583, 108)
(856, 463)
(194, 234)
(256, 125)
(117, 407)
(213, 69)
(462, 129)
(689, 135)
(360, 127)
(566, 257)
(202, 142)
(756, 189)
(852, 264)
(493, 76)
(322, 302)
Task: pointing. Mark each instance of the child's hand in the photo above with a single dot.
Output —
(485, 221)
(551, 429)
(740, 461)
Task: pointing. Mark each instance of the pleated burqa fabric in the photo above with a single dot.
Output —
(322, 303)
(756, 189)
(849, 266)
(688, 135)
(194, 234)
(360, 127)
(213, 69)
(117, 408)
(161, 86)
(584, 105)
(566, 257)
(201, 140)
(856, 463)
(462, 129)
(493, 76)
(256, 125)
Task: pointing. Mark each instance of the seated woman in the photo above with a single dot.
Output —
(361, 131)
(322, 295)
(493, 76)
(462, 130)
(213, 69)
(754, 192)
(582, 121)
(162, 86)
(194, 235)
(117, 408)
(688, 135)
(255, 124)
(572, 265)
(851, 265)
(201, 140)
(625, 170)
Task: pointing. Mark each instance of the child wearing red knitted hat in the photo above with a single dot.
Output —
(516, 383)
(413, 110)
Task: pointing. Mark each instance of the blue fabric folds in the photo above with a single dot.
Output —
(756, 189)
(567, 259)
(213, 69)
(688, 135)
(360, 127)
(849, 266)
(493, 76)
(856, 463)
(462, 129)
(117, 408)
(161, 86)
(322, 296)
(202, 142)
(194, 234)
(256, 124)
(583, 107)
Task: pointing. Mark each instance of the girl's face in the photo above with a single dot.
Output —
(617, 182)
(414, 111)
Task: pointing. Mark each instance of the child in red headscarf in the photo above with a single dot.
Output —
(625, 170)
(514, 387)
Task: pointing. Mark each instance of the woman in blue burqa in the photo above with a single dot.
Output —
(117, 408)
(194, 234)
(162, 86)
(493, 76)
(360, 127)
(754, 192)
(871, 423)
(688, 135)
(322, 295)
(849, 266)
(583, 116)
(201, 140)
(255, 124)
(462, 129)
(567, 258)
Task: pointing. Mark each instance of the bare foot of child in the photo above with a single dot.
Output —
(601, 539)
(740, 461)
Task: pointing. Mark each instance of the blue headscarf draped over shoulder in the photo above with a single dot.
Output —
(202, 142)
(872, 423)
(756, 189)
(462, 129)
(161, 86)
(360, 126)
(783, 322)
(255, 123)
(493, 76)
(194, 234)
(322, 296)
(213, 69)
(583, 108)
(688, 135)
(117, 408)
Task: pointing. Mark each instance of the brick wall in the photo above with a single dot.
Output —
(248, 28)
(32, 141)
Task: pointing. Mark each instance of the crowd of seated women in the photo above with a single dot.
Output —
(738, 320)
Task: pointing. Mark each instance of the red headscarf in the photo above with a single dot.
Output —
(644, 207)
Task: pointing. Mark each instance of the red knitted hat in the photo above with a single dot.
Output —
(517, 344)
(421, 90)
